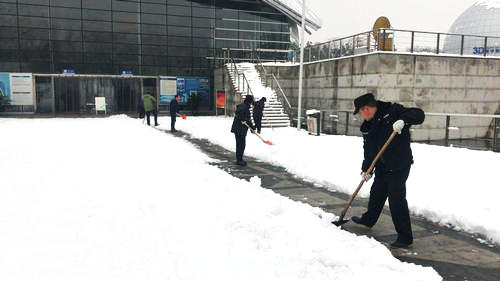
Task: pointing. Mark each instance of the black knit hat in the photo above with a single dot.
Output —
(363, 100)
(248, 99)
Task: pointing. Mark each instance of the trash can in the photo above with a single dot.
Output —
(314, 122)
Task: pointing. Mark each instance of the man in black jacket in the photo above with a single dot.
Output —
(242, 116)
(393, 167)
(258, 112)
(174, 109)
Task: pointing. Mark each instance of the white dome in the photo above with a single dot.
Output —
(482, 18)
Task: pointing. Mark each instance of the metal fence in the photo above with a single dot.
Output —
(401, 41)
(474, 131)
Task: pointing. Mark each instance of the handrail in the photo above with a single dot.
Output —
(238, 73)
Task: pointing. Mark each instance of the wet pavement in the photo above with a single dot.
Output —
(455, 255)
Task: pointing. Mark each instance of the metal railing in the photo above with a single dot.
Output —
(459, 130)
(404, 41)
(240, 75)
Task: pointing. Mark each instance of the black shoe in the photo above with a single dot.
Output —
(156, 125)
(400, 245)
(173, 130)
(359, 221)
(241, 163)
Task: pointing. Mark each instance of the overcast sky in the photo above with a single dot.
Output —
(348, 17)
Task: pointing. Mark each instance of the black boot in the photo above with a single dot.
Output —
(359, 221)
(241, 163)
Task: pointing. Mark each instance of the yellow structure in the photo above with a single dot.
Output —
(383, 39)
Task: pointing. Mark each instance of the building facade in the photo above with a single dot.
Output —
(147, 38)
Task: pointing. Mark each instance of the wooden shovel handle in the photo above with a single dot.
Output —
(253, 131)
(344, 211)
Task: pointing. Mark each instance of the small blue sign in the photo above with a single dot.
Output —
(127, 72)
(68, 71)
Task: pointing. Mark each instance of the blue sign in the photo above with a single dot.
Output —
(489, 50)
(184, 87)
(68, 71)
(127, 72)
(5, 85)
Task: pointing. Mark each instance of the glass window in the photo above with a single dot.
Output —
(67, 46)
(8, 9)
(154, 29)
(66, 24)
(66, 35)
(154, 50)
(179, 31)
(8, 32)
(179, 21)
(34, 33)
(125, 38)
(179, 41)
(180, 61)
(68, 57)
(154, 60)
(97, 36)
(33, 22)
(179, 11)
(90, 47)
(125, 6)
(203, 22)
(10, 44)
(35, 55)
(126, 17)
(202, 32)
(125, 27)
(68, 13)
(31, 10)
(203, 3)
(154, 70)
(38, 67)
(179, 2)
(154, 39)
(226, 34)
(97, 58)
(96, 15)
(125, 49)
(9, 55)
(154, 8)
(125, 59)
(97, 4)
(201, 42)
(179, 51)
(66, 3)
(154, 19)
(203, 12)
(39, 2)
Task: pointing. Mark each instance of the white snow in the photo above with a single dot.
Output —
(488, 4)
(451, 186)
(111, 199)
(256, 86)
(312, 111)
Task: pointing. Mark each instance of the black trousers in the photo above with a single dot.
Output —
(240, 146)
(172, 122)
(148, 113)
(392, 185)
(258, 123)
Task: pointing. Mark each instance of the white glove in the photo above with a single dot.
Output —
(398, 126)
(366, 176)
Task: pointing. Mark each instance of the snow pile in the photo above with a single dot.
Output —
(447, 185)
(488, 4)
(253, 77)
(111, 199)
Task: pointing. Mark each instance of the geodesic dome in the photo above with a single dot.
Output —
(482, 18)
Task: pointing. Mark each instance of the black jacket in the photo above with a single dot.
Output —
(375, 132)
(242, 114)
(174, 107)
(258, 109)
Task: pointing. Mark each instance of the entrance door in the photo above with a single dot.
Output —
(127, 93)
(67, 92)
(43, 94)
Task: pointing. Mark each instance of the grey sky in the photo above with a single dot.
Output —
(348, 17)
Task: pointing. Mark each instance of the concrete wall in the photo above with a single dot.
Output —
(434, 83)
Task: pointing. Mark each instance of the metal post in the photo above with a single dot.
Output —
(412, 41)
(346, 123)
(353, 44)
(383, 46)
(340, 44)
(447, 132)
(495, 134)
(301, 68)
(368, 42)
(53, 94)
(437, 45)
(462, 46)
(485, 44)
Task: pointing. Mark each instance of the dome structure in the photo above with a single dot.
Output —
(482, 19)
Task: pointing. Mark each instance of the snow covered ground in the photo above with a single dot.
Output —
(111, 199)
(452, 186)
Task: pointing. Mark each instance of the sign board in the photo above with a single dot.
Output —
(184, 87)
(5, 85)
(68, 71)
(100, 104)
(221, 99)
(21, 89)
(127, 72)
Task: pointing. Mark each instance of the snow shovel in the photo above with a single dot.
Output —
(270, 124)
(253, 131)
(183, 116)
(341, 220)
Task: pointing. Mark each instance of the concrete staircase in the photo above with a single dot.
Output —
(274, 114)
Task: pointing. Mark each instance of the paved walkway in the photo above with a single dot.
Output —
(455, 255)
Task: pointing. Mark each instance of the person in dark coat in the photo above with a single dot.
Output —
(240, 130)
(140, 108)
(258, 112)
(150, 107)
(174, 109)
(393, 167)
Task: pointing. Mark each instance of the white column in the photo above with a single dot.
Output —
(301, 69)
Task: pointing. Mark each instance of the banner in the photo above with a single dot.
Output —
(21, 86)
(5, 85)
(221, 99)
(168, 89)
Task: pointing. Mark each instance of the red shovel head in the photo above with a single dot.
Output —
(184, 116)
(268, 142)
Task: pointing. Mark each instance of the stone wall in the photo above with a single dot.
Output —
(438, 84)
